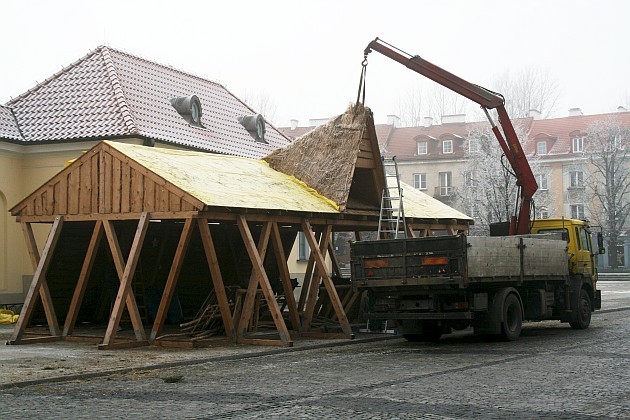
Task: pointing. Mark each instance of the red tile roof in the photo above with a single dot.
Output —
(109, 94)
(8, 126)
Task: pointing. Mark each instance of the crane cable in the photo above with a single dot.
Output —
(362, 82)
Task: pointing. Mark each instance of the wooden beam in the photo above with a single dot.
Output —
(249, 303)
(323, 272)
(79, 290)
(308, 275)
(35, 340)
(263, 281)
(171, 281)
(316, 250)
(39, 286)
(333, 258)
(217, 278)
(125, 282)
(281, 258)
(410, 232)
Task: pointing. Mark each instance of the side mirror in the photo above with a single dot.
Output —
(600, 243)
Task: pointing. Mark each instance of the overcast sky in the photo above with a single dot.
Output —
(305, 56)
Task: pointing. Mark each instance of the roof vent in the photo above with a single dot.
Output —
(255, 125)
(189, 107)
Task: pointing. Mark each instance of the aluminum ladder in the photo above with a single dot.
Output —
(391, 222)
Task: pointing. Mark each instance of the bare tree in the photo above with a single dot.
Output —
(262, 103)
(607, 146)
(435, 103)
(489, 190)
(531, 88)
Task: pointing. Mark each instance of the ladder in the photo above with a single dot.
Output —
(391, 222)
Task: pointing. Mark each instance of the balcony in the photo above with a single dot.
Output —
(443, 192)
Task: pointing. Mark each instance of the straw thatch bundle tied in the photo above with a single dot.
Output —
(325, 157)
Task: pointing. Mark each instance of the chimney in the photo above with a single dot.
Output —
(456, 118)
(621, 109)
(575, 112)
(535, 114)
(393, 120)
(427, 122)
(294, 124)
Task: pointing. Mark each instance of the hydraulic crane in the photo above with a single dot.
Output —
(510, 144)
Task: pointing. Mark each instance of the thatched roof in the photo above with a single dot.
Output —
(325, 158)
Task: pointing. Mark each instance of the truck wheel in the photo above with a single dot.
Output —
(583, 316)
(512, 318)
(414, 338)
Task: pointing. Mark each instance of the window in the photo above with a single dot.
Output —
(473, 145)
(304, 251)
(447, 146)
(420, 181)
(422, 147)
(541, 148)
(541, 179)
(577, 179)
(446, 184)
(544, 214)
(577, 211)
(578, 144)
(584, 236)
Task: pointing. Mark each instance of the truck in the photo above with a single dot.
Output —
(525, 270)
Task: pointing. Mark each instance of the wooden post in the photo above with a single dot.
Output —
(171, 282)
(285, 276)
(126, 277)
(39, 284)
(261, 276)
(79, 291)
(217, 278)
(410, 232)
(323, 272)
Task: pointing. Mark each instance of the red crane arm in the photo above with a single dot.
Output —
(510, 144)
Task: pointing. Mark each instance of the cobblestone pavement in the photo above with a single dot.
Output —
(552, 371)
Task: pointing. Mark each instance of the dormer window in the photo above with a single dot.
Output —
(578, 144)
(541, 148)
(189, 107)
(255, 125)
(422, 148)
(447, 146)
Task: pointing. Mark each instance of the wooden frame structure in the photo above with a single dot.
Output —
(109, 185)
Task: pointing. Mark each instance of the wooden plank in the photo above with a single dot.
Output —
(174, 202)
(137, 191)
(315, 334)
(73, 191)
(365, 145)
(49, 204)
(125, 189)
(149, 195)
(217, 278)
(248, 305)
(285, 276)
(94, 188)
(330, 287)
(171, 281)
(263, 281)
(366, 155)
(107, 185)
(39, 286)
(62, 198)
(125, 273)
(85, 187)
(116, 186)
(101, 181)
(86, 269)
(410, 232)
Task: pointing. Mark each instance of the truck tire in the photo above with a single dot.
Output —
(512, 321)
(432, 330)
(583, 315)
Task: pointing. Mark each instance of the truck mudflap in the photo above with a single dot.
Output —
(467, 315)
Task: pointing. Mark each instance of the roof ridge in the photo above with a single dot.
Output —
(119, 94)
(166, 66)
(54, 76)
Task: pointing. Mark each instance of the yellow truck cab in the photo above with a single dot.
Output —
(577, 233)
